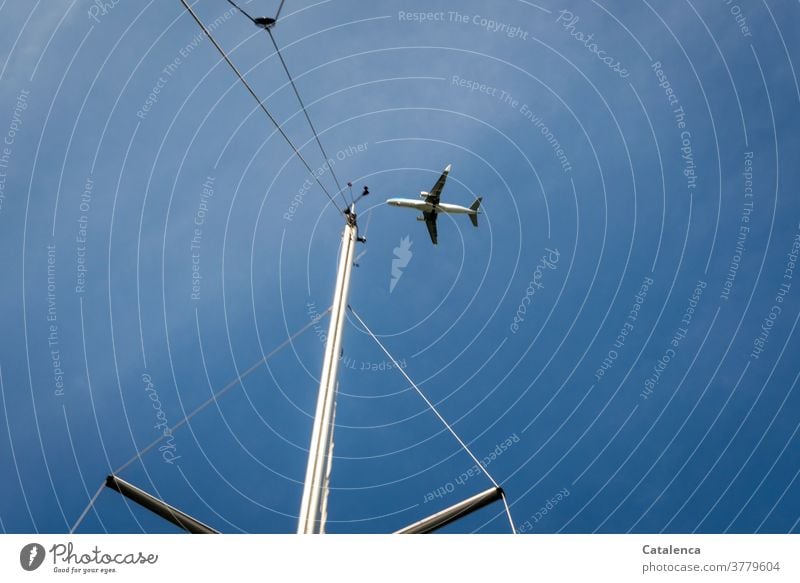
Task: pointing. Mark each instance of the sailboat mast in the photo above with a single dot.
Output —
(314, 504)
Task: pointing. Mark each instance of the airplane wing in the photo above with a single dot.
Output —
(436, 191)
(430, 222)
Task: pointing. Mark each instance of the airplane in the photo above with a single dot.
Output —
(431, 207)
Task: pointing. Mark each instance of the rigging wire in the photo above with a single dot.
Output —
(258, 100)
(442, 419)
(508, 511)
(219, 393)
(88, 507)
(369, 220)
(278, 13)
(240, 9)
(268, 29)
(267, 24)
(308, 118)
(255, 20)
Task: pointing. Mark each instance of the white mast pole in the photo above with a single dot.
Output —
(314, 504)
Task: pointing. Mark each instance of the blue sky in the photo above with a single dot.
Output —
(621, 327)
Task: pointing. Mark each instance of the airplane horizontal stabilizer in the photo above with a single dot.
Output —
(474, 215)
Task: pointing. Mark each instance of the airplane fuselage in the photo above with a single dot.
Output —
(427, 207)
(430, 205)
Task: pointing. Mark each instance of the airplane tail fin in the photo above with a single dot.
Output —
(474, 216)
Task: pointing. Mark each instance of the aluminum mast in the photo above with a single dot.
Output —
(313, 508)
